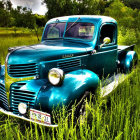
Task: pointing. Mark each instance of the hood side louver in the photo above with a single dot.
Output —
(69, 65)
(23, 70)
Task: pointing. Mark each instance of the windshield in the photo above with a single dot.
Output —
(54, 30)
(78, 30)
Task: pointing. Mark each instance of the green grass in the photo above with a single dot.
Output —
(9, 39)
(116, 117)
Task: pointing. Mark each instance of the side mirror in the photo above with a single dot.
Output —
(106, 40)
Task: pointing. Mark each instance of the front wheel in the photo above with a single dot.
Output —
(80, 112)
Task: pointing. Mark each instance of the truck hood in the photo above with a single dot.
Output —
(50, 50)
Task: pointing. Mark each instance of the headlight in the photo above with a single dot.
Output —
(22, 108)
(56, 76)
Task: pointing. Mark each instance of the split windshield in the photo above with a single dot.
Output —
(73, 30)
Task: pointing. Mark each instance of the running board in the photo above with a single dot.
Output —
(111, 83)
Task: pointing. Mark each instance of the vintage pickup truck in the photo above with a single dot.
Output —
(74, 54)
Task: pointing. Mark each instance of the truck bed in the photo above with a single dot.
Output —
(125, 48)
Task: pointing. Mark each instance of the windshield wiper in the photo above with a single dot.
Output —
(72, 24)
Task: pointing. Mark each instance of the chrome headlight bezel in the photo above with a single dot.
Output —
(56, 76)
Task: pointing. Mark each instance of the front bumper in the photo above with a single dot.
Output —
(26, 119)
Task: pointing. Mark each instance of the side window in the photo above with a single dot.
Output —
(107, 31)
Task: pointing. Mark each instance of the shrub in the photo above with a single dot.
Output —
(127, 36)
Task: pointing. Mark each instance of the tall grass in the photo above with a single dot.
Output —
(9, 39)
(115, 117)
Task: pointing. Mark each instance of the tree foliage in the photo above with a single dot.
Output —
(4, 18)
(132, 3)
(74, 7)
(124, 15)
(19, 17)
(126, 12)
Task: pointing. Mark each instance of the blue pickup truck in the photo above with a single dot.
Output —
(74, 54)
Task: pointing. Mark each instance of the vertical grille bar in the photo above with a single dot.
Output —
(3, 97)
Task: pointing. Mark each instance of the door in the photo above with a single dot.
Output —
(103, 62)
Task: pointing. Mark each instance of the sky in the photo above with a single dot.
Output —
(35, 5)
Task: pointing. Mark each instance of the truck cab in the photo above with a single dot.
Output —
(74, 54)
(87, 32)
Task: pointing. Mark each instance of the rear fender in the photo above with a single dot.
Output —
(127, 60)
(73, 87)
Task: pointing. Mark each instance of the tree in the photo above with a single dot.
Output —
(23, 17)
(1, 5)
(40, 20)
(132, 3)
(4, 18)
(123, 14)
(138, 20)
(88, 7)
(28, 19)
(60, 7)
(19, 8)
(73, 7)
(8, 5)
(4, 15)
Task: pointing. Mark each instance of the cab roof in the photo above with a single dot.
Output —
(94, 18)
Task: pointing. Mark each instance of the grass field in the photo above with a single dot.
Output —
(116, 117)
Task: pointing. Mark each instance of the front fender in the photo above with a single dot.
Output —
(74, 85)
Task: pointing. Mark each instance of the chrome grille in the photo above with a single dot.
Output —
(3, 97)
(21, 96)
(23, 70)
(70, 64)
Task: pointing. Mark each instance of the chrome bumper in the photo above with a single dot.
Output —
(26, 119)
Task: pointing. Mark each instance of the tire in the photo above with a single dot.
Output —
(80, 112)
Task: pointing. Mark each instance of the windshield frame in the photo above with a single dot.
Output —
(70, 38)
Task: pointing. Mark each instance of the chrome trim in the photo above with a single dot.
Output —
(26, 119)
(105, 51)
